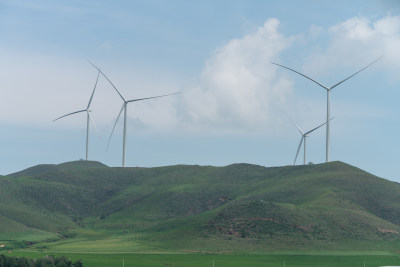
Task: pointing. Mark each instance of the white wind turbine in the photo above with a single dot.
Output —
(328, 90)
(124, 108)
(304, 136)
(89, 118)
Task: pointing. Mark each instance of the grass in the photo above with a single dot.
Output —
(328, 259)
(28, 236)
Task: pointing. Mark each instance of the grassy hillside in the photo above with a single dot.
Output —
(237, 207)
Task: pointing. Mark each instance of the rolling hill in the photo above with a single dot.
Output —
(239, 207)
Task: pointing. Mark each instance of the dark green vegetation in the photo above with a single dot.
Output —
(89, 207)
(47, 261)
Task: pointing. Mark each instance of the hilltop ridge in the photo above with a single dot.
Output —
(43, 168)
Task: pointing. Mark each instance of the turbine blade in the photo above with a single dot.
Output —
(119, 115)
(94, 89)
(356, 73)
(317, 127)
(305, 76)
(298, 149)
(140, 99)
(295, 124)
(107, 80)
(83, 110)
(97, 132)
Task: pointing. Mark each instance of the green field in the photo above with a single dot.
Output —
(288, 259)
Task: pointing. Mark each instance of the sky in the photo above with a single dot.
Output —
(234, 106)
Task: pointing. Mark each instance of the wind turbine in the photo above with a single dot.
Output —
(89, 118)
(304, 136)
(328, 90)
(124, 108)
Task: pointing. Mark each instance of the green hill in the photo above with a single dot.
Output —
(239, 207)
(45, 168)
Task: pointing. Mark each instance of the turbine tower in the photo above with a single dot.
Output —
(124, 108)
(88, 117)
(328, 90)
(304, 136)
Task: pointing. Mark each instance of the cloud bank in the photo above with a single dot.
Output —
(238, 90)
(238, 86)
(357, 41)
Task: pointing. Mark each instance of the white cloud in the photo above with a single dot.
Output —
(357, 41)
(238, 87)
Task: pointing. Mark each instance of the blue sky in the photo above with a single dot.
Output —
(233, 103)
